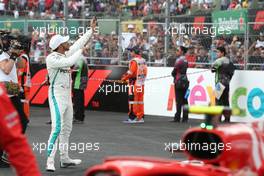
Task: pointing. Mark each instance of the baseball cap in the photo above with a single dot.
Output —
(57, 40)
(130, 26)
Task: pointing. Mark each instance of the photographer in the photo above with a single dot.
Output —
(8, 76)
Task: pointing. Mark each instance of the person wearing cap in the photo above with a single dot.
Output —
(130, 28)
(136, 76)
(224, 71)
(58, 65)
(181, 84)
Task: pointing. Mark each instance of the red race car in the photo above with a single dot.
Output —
(212, 150)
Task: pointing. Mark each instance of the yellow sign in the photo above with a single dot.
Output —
(134, 26)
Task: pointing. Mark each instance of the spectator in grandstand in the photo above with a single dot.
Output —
(41, 6)
(224, 70)
(159, 61)
(202, 58)
(181, 84)
(191, 57)
(260, 41)
(224, 4)
(234, 5)
(212, 52)
(245, 4)
(2, 7)
(98, 47)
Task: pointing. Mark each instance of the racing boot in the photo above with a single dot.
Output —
(64, 163)
(50, 165)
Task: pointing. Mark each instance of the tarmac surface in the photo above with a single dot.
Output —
(103, 134)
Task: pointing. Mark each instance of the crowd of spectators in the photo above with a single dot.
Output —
(103, 46)
(81, 8)
(151, 39)
(43, 9)
(201, 49)
(201, 52)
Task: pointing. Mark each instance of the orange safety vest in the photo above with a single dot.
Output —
(141, 70)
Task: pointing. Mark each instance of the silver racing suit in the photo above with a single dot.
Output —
(60, 102)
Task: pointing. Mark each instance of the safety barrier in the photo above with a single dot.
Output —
(106, 92)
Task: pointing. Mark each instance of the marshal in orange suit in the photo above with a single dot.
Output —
(135, 77)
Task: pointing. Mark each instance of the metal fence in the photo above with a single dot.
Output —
(158, 41)
(255, 46)
(202, 39)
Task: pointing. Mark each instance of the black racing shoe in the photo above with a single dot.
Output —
(75, 121)
(184, 120)
(177, 120)
(70, 162)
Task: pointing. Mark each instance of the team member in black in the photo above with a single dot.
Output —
(181, 83)
(79, 84)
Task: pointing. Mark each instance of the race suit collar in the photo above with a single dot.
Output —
(59, 53)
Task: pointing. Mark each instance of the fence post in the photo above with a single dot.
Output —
(167, 23)
(120, 41)
(246, 47)
(65, 10)
(26, 26)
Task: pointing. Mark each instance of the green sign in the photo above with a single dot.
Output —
(230, 21)
(74, 27)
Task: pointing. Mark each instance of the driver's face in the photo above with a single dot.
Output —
(66, 46)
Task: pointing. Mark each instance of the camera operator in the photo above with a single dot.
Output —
(8, 77)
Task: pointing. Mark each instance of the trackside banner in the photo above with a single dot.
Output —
(247, 92)
(100, 94)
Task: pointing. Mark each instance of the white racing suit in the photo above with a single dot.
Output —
(60, 102)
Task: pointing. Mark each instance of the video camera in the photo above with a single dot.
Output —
(9, 41)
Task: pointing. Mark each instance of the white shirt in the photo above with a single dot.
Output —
(259, 44)
(12, 76)
(2, 6)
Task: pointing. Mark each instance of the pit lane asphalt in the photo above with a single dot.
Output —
(113, 136)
